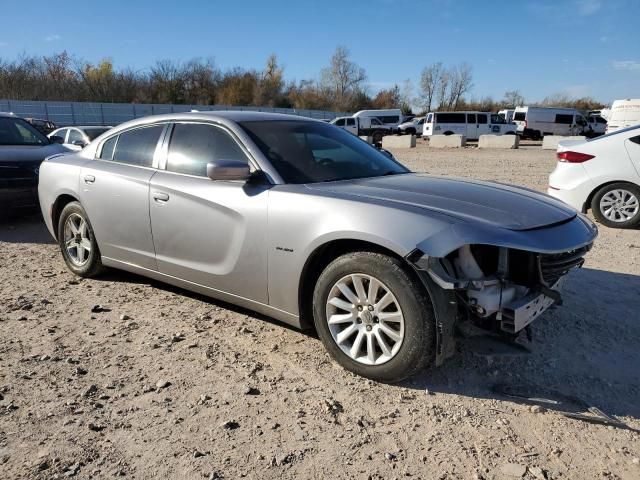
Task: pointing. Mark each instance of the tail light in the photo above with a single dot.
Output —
(574, 157)
(525, 124)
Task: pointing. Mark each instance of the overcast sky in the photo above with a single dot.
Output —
(577, 47)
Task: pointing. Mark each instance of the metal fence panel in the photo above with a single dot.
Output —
(90, 113)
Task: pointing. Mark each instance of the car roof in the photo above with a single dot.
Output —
(221, 116)
(85, 127)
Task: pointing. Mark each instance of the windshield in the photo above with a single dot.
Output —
(309, 152)
(94, 133)
(16, 131)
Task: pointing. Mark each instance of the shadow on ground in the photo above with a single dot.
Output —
(588, 349)
(24, 226)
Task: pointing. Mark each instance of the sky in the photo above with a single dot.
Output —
(574, 47)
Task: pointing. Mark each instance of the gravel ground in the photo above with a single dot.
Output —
(157, 382)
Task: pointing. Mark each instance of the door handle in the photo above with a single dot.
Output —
(89, 179)
(160, 197)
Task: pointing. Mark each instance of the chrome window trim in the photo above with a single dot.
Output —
(154, 163)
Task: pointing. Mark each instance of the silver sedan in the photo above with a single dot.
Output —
(304, 222)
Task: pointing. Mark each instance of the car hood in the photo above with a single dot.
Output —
(15, 154)
(504, 206)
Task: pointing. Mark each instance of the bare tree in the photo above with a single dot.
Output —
(512, 99)
(343, 78)
(461, 83)
(429, 83)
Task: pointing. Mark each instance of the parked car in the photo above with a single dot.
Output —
(22, 150)
(304, 222)
(469, 124)
(603, 175)
(412, 127)
(43, 126)
(623, 113)
(536, 122)
(597, 126)
(76, 138)
(364, 126)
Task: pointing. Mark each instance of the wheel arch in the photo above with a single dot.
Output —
(56, 209)
(322, 256)
(587, 203)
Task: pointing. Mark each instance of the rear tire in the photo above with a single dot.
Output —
(617, 205)
(377, 136)
(382, 321)
(78, 242)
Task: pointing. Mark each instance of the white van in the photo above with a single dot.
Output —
(536, 122)
(507, 114)
(624, 113)
(389, 117)
(469, 124)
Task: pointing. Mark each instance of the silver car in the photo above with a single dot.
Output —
(304, 222)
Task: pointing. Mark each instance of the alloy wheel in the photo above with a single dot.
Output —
(77, 239)
(365, 319)
(619, 205)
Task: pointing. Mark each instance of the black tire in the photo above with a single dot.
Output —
(93, 264)
(600, 215)
(418, 347)
(510, 133)
(448, 132)
(410, 131)
(377, 136)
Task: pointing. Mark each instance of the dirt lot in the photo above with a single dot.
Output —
(166, 384)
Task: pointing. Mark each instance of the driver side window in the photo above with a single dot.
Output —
(193, 145)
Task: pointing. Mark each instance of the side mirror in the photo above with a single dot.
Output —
(228, 170)
(79, 143)
(56, 139)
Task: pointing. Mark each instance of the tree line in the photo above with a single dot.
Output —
(340, 86)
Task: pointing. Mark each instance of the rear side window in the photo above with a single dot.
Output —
(136, 147)
(194, 145)
(106, 152)
(482, 118)
(564, 119)
(62, 133)
(75, 135)
(450, 118)
(340, 123)
(520, 116)
(351, 122)
(390, 119)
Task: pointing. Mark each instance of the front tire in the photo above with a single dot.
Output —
(617, 205)
(78, 242)
(373, 317)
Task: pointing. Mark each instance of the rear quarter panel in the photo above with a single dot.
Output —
(59, 175)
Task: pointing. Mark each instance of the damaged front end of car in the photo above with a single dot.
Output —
(501, 289)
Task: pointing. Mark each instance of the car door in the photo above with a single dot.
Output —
(483, 127)
(351, 126)
(632, 146)
(472, 126)
(209, 232)
(115, 194)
